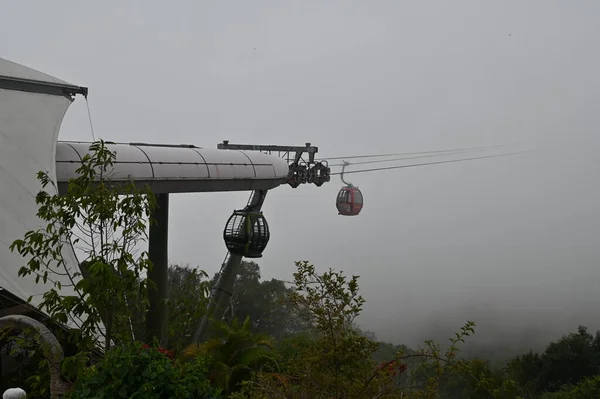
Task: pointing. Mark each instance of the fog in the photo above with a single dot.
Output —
(511, 243)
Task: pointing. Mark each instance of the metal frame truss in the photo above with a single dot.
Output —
(302, 170)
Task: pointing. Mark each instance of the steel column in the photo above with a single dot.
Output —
(158, 253)
(223, 289)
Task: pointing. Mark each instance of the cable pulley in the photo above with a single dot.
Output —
(301, 173)
(319, 174)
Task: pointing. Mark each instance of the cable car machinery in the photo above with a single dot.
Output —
(246, 233)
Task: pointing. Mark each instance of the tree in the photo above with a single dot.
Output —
(564, 363)
(187, 301)
(331, 359)
(525, 371)
(145, 372)
(236, 353)
(105, 222)
(266, 302)
(569, 360)
(588, 388)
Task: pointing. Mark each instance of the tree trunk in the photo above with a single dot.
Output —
(46, 340)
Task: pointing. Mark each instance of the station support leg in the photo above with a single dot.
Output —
(223, 289)
(221, 295)
(158, 253)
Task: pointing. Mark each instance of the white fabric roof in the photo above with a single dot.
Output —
(29, 126)
(14, 70)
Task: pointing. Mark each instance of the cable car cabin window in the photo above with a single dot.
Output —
(358, 198)
(344, 197)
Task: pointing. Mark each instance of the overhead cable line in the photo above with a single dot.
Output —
(428, 163)
(415, 153)
(403, 158)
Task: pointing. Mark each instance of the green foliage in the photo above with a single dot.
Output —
(525, 370)
(331, 300)
(440, 371)
(104, 222)
(386, 351)
(563, 364)
(265, 302)
(236, 353)
(139, 371)
(588, 388)
(569, 360)
(105, 298)
(339, 359)
(30, 370)
(475, 379)
(187, 301)
(332, 358)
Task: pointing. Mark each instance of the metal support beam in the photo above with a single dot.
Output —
(220, 297)
(158, 253)
(36, 86)
(301, 171)
(223, 289)
(281, 149)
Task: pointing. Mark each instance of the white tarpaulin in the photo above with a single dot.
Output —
(29, 126)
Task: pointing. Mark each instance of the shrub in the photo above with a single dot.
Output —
(144, 372)
(589, 388)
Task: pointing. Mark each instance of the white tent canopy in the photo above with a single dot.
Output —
(32, 107)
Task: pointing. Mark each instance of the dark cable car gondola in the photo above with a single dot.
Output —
(349, 199)
(246, 234)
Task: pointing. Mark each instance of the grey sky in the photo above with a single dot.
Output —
(511, 242)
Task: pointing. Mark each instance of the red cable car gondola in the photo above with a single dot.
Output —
(349, 199)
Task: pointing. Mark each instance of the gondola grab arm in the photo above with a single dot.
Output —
(344, 164)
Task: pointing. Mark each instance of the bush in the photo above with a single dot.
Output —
(586, 389)
(144, 372)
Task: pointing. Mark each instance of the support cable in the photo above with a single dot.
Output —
(416, 153)
(429, 163)
(403, 158)
(87, 103)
